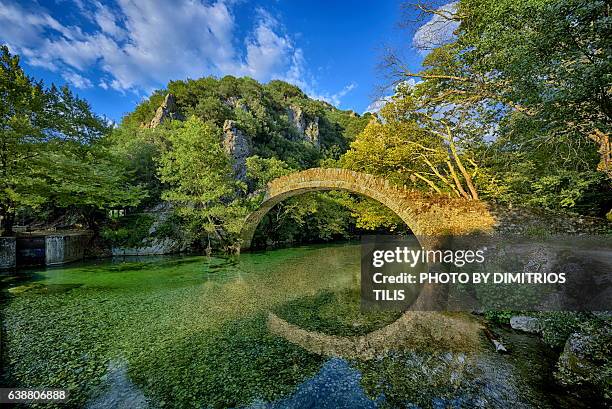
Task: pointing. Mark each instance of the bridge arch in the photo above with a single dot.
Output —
(425, 214)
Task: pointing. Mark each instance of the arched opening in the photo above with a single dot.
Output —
(318, 180)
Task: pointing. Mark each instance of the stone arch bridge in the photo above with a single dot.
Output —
(425, 214)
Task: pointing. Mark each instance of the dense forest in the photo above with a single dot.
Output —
(515, 110)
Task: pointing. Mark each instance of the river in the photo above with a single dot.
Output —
(196, 331)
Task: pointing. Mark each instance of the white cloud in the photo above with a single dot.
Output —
(108, 22)
(336, 98)
(141, 45)
(266, 51)
(76, 80)
(438, 30)
(377, 105)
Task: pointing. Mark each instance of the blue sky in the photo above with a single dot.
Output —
(115, 53)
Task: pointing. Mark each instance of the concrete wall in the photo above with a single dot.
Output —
(8, 252)
(60, 249)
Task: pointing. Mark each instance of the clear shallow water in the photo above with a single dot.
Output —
(194, 332)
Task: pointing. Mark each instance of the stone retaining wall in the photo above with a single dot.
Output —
(8, 252)
(64, 248)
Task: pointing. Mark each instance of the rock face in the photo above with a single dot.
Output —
(526, 324)
(156, 243)
(236, 103)
(238, 147)
(296, 117)
(167, 110)
(312, 131)
(308, 130)
(153, 246)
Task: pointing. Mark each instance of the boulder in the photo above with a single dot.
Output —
(585, 360)
(526, 324)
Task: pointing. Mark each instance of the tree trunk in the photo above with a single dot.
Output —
(8, 221)
(605, 151)
(464, 172)
(451, 168)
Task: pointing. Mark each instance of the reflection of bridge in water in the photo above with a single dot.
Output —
(425, 214)
(413, 330)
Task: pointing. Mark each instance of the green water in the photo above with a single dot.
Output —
(193, 332)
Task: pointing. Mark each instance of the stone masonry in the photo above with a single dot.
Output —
(425, 214)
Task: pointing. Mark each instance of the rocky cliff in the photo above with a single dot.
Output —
(308, 129)
(168, 110)
(238, 147)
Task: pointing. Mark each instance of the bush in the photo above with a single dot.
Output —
(128, 231)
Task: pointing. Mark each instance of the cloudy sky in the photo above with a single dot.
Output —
(114, 53)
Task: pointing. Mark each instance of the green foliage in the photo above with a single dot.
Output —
(139, 149)
(128, 231)
(261, 112)
(372, 215)
(310, 217)
(532, 78)
(412, 145)
(350, 123)
(54, 150)
(499, 317)
(558, 325)
(169, 227)
(264, 170)
(212, 109)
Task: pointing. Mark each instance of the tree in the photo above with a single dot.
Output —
(52, 149)
(198, 174)
(416, 145)
(20, 130)
(538, 71)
